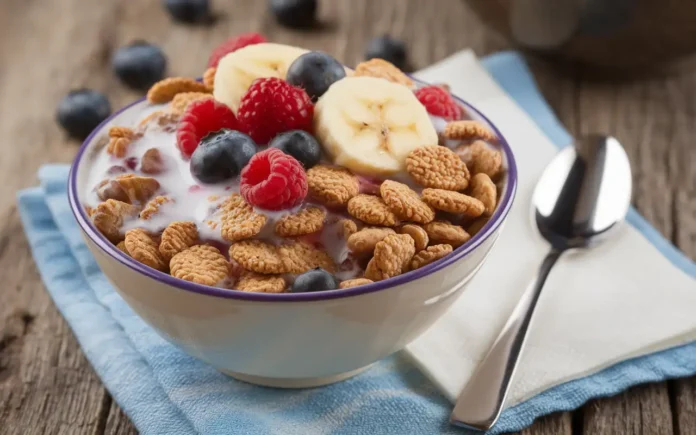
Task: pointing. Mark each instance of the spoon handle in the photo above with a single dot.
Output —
(482, 399)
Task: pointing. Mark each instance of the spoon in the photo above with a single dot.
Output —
(582, 196)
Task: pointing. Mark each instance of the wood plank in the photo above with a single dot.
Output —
(117, 423)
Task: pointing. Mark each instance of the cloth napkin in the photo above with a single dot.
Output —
(574, 351)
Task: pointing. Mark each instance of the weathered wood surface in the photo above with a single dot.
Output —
(48, 47)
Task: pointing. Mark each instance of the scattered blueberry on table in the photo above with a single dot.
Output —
(387, 48)
(299, 144)
(313, 281)
(294, 13)
(189, 11)
(139, 64)
(221, 156)
(315, 72)
(81, 111)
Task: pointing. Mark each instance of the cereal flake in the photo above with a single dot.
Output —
(306, 221)
(453, 202)
(445, 232)
(372, 210)
(430, 255)
(143, 248)
(332, 186)
(391, 258)
(365, 240)
(438, 167)
(165, 90)
(202, 264)
(405, 203)
(177, 237)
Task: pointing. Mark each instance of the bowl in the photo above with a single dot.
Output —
(292, 339)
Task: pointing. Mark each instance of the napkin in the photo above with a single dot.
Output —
(166, 391)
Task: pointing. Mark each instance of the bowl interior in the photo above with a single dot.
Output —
(81, 182)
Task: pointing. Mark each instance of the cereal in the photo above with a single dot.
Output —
(111, 189)
(453, 202)
(122, 247)
(468, 130)
(141, 247)
(372, 210)
(405, 203)
(348, 227)
(152, 207)
(306, 221)
(392, 256)
(382, 69)
(481, 158)
(350, 283)
(445, 232)
(108, 217)
(299, 257)
(257, 256)
(258, 283)
(164, 90)
(239, 220)
(122, 132)
(365, 240)
(119, 139)
(332, 186)
(152, 163)
(429, 255)
(477, 225)
(182, 100)
(484, 190)
(418, 235)
(178, 236)
(164, 119)
(139, 189)
(202, 264)
(437, 167)
(209, 77)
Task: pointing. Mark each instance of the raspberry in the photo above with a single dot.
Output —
(439, 102)
(233, 44)
(271, 106)
(273, 180)
(200, 118)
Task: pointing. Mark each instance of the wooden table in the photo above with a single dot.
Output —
(48, 47)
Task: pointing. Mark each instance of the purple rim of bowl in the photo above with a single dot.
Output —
(105, 245)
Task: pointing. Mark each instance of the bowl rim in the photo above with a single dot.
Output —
(488, 230)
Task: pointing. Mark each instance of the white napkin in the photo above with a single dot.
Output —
(622, 300)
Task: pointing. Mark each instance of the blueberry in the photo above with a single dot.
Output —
(387, 48)
(189, 11)
(81, 111)
(139, 64)
(315, 72)
(313, 281)
(299, 144)
(221, 156)
(294, 13)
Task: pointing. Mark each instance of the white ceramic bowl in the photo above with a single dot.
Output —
(287, 340)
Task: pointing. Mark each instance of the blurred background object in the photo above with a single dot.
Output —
(620, 34)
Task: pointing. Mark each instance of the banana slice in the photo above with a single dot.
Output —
(237, 70)
(369, 125)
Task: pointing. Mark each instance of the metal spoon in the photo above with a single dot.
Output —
(583, 194)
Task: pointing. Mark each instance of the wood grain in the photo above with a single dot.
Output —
(47, 385)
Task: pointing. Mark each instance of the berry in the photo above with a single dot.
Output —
(294, 13)
(234, 44)
(200, 118)
(439, 102)
(221, 156)
(81, 111)
(273, 180)
(189, 11)
(315, 72)
(313, 281)
(299, 144)
(139, 64)
(387, 48)
(271, 106)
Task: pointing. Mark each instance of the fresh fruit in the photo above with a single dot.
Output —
(200, 118)
(299, 144)
(81, 111)
(221, 156)
(237, 70)
(272, 106)
(439, 102)
(273, 180)
(313, 281)
(189, 11)
(233, 44)
(139, 64)
(294, 13)
(315, 72)
(387, 48)
(369, 125)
